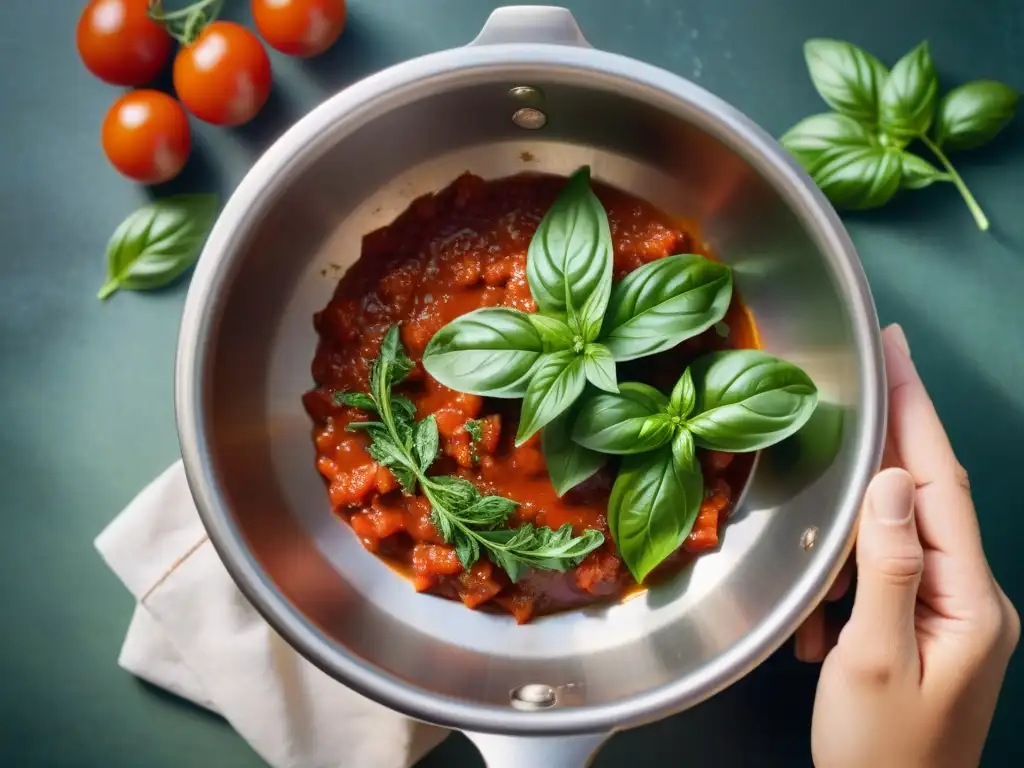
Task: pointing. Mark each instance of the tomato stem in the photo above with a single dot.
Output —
(972, 204)
(185, 24)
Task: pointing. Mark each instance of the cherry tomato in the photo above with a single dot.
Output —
(120, 44)
(299, 27)
(146, 136)
(224, 76)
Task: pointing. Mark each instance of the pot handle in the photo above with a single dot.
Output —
(531, 24)
(501, 751)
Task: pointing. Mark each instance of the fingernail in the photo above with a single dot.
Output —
(899, 338)
(891, 497)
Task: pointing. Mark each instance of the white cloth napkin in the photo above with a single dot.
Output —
(194, 634)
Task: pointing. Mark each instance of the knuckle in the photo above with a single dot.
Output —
(998, 624)
(901, 568)
(961, 477)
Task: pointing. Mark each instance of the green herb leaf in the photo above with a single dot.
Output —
(907, 102)
(568, 462)
(158, 243)
(426, 442)
(475, 428)
(848, 78)
(683, 395)
(858, 179)
(359, 400)
(818, 139)
(633, 421)
(558, 380)
(530, 546)
(554, 334)
(684, 451)
(599, 367)
(569, 262)
(665, 302)
(490, 510)
(918, 173)
(747, 400)
(973, 113)
(652, 509)
(491, 352)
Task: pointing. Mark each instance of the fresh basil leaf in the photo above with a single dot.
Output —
(426, 442)
(390, 367)
(569, 261)
(907, 102)
(359, 400)
(747, 400)
(816, 140)
(491, 351)
(554, 334)
(663, 303)
(652, 508)
(633, 421)
(858, 179)
(682, 397)
(848, 78)
(568, 462)
(972, 114)
(684, 451)
(918, 173)
(158, 243)
(557, 382)
(599, 366)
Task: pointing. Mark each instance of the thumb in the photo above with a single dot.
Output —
(890, 561)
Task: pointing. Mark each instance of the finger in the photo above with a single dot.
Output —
(842, 583)
(945, 513)
(890, 561)
(810, 638)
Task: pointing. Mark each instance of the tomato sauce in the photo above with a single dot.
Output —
(450, 253)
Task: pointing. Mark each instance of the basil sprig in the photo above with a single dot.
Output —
(736, 401)
(583, 324)
(158, 243)
(470, 522)
(858, 154)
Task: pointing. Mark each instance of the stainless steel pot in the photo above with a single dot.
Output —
(247, 341)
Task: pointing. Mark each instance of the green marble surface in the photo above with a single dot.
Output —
(85, 388)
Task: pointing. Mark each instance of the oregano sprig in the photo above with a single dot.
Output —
(470, 522)
(858, 154)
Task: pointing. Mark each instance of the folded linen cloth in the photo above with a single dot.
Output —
(194, 634)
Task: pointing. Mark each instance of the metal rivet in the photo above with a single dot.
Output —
(529, 118)
(809, 538)
(533, 696)
(526, 93)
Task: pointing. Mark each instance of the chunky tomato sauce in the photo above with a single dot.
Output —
(448, 254)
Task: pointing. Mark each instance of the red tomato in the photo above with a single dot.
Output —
(299, 27)
(224, 76)
(146, 136)
(119, 43)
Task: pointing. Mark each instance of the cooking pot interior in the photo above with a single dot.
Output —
(356, 175)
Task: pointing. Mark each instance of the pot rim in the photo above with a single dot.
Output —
(355, 105)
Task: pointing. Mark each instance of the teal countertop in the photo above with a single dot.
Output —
(86, 388)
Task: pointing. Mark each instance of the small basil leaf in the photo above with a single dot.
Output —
(817, 139)
(359, 400)
(553, 332)
(848, 78)
(489, 351)
(973, 113)
(568, 462)
(426, 442)
(652, 508)
(599, 366)
(918, 173)
(158, 243)
(555, 385)
(683, 394)
(683, 450)
(663, 303)
(569, 262)
(633, 421)
(907, 102)
(748, 400)
(858, 179)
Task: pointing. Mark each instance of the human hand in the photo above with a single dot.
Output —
(913, 677)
